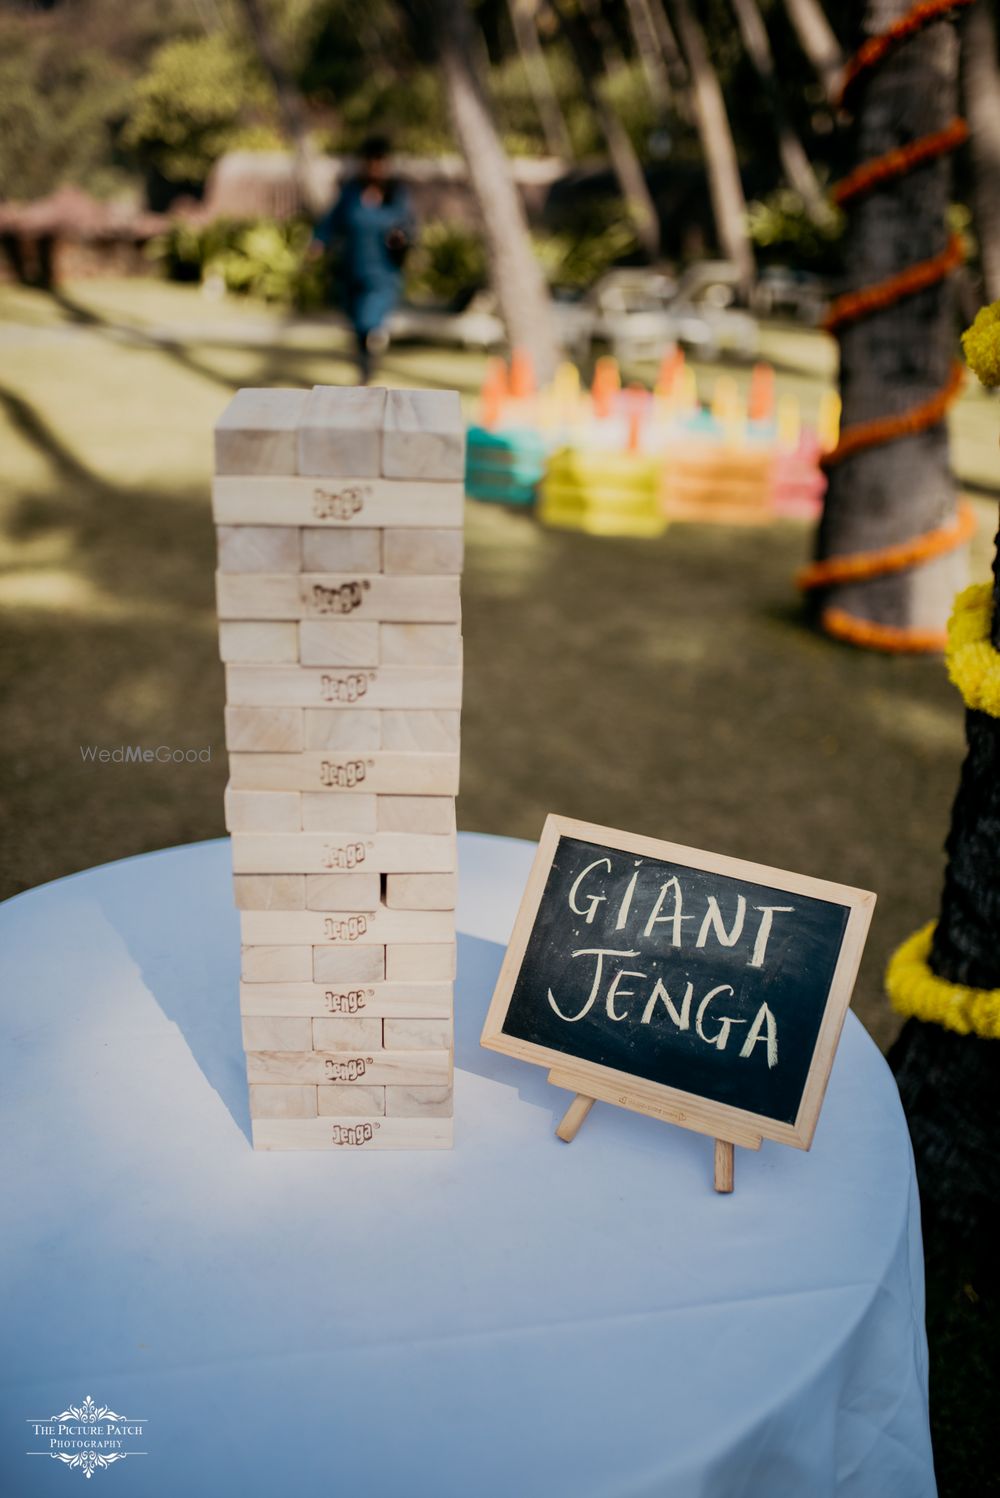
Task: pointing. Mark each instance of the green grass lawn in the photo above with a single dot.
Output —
(669, 687)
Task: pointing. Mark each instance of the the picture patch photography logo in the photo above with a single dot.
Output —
(88, 1437)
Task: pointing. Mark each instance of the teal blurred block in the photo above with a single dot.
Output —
(504, 467)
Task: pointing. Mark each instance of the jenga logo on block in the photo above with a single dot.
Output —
(347, 929)
(362, 1133)
(342, 775)
(342, 600)
(347, 856)
(347, 1071)
(340, 504)
(345, 688)
(348, 1002)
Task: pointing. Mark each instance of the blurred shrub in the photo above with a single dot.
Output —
(446, 264)
(269, 261)
(57, 108)
(573, 259)
(200, 97)
(260, 258)
(779, 222)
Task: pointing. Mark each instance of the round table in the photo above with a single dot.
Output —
(516, 1317)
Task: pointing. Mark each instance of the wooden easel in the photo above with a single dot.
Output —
(576, 1113)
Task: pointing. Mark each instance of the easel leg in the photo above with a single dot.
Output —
(573, 1117)
(723, 1165)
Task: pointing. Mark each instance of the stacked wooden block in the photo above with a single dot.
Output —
(339, 515)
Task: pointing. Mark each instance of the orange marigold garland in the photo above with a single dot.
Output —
(873, 51)
(864, 434)
(897, 163)
(891, 639)
(916, 277)
(860, 565)
(863, 303)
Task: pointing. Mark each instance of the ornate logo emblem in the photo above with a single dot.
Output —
(87, 1437)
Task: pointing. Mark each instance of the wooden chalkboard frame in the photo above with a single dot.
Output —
(706, 1116)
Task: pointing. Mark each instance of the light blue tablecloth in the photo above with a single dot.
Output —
(513, 1319)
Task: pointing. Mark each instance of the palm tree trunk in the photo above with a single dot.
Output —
(981, 87)
(592, 65)
(794, 161)
(650, 54)
(726, 190)
(818, 42)
(291, 105)
(900, 356)
(523, 14)
(515, 273)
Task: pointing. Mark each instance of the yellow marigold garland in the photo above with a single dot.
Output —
(973, 662)
(916, 992)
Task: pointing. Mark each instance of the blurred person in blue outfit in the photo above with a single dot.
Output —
(372, 223)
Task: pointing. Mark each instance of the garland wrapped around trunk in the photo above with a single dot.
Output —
(895, 335)
(946, 977)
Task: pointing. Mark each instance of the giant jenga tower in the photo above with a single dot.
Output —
(339, 515)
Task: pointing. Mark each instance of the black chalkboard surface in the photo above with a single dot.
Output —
(703, 989)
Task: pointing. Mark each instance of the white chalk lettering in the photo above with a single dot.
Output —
(764, 1019)
(595, 900)
(764, 931)
(600, 953)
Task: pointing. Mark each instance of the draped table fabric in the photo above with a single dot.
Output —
(514, 1318)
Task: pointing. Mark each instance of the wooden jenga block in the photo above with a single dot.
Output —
(330, 728)
(420, 962)
(421, 891)
(318, 770)
(259, 548)
(326, 812)
(249, 642)
(278, 729)
(343, 891)
(377, 1000)
(345, 928)
(353, 550)
(344, 1101)
(280, 1034)
(340, 431)
(328, 853)
(421, 687)
(263, 811)
(277, 964)
(431, 731)
(340, 1034)
(282, 1101)
(416, 1102)
(424, 435)
(257, 433)
(374, 1068)
(362, 504)
(269, 892)
(415, 814)
(418, 645)
(350, 1133)
(326, 595)
(424, 551)
(346, 964)
(417, 1034)
(329, 642)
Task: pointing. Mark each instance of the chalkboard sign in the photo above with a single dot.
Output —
(702, 989)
